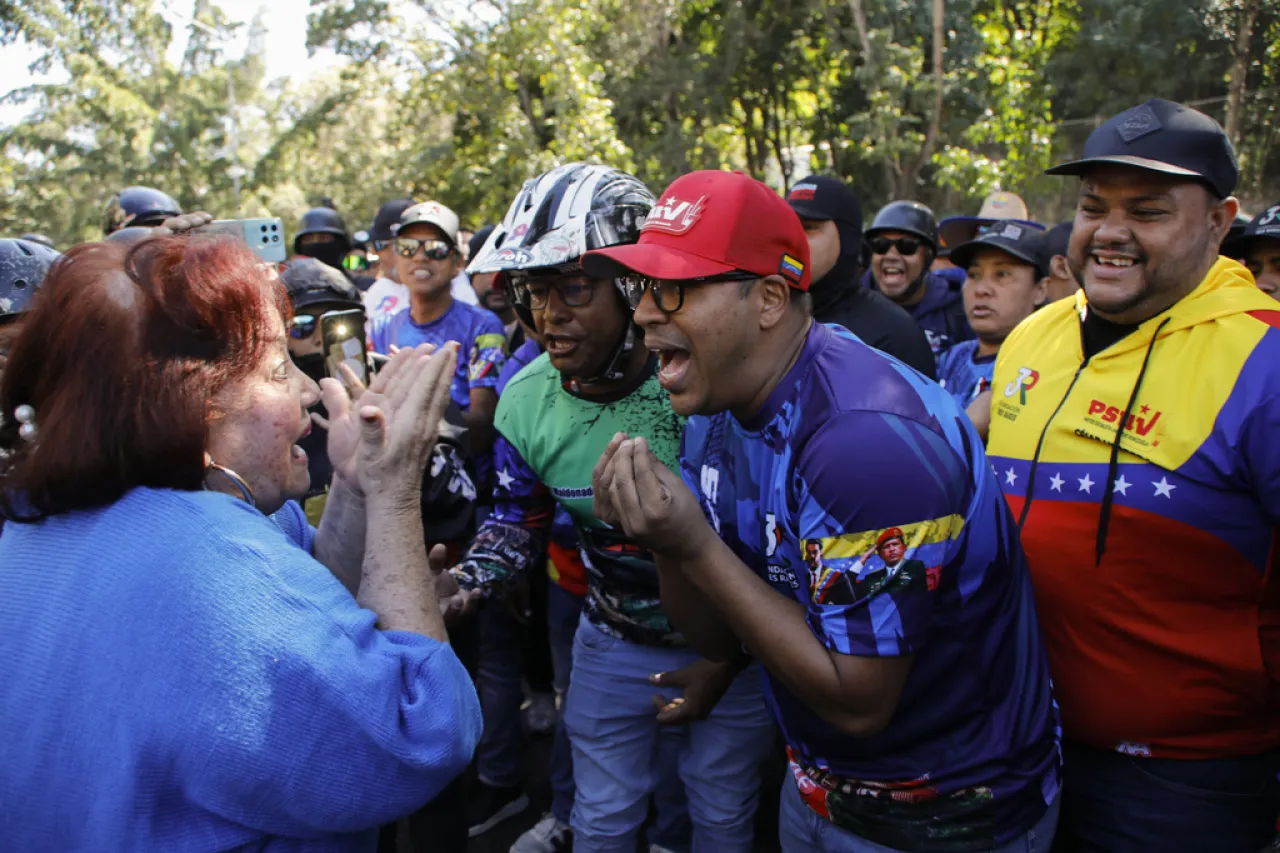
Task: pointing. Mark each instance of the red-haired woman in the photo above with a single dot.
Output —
(188, 665)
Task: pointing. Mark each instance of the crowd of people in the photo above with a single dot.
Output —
(962, 534)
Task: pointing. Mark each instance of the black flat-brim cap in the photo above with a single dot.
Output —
(1165, 137)
(1264, 226)
(1009, 236)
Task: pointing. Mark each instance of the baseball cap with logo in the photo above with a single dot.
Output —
(431, 213)
(1264, 226)
(1010, 236)
(821, 197)
(1161, 136)
(711, 223)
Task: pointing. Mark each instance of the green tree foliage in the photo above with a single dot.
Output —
(464, 110)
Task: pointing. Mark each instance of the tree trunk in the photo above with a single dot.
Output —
(911, 180)
(1240, 68)
(860, 22)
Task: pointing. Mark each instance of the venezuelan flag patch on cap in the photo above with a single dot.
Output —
(791, 267)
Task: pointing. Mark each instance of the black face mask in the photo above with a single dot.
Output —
(312, 365)
(330, 254)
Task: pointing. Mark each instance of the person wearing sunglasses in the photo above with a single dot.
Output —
(427, 261)
(903, 239)
(554, 420)
(314, 289)
(835, 516)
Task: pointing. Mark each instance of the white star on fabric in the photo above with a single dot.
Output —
(505, 479)
(1122, 485)
(1086, 484)
(1164, 487)
(1010, 477)
(1055, 483)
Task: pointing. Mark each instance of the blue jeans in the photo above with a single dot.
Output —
(1114, 803)
(615, 737)
(501, 695)
(564, 609)
(671, 828)
(800, 828)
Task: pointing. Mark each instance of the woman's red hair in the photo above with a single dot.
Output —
(121, 357)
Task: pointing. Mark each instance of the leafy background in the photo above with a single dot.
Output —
(463, 109)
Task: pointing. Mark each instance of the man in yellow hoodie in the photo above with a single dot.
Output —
(1134, 429)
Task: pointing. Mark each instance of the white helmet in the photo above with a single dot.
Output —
(562, 214)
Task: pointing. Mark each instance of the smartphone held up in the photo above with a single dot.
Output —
(342, 333)
(264, 236)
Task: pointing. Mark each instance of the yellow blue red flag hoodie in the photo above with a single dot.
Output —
(1146, 484)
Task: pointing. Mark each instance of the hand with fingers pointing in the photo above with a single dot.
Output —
(652, 505)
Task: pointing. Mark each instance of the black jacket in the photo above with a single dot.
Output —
(840, 298)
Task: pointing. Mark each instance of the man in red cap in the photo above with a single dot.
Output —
(915, 705)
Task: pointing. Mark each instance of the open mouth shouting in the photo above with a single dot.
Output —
(673, 364)
(893, 273)
(560, 346)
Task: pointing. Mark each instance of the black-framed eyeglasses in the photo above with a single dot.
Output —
(379, 245)
(535, 291)
(668, 294)
(303, 326)
(435, 250)
(905, 245)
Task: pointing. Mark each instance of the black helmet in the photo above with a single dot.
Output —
(23, 265)
(138, 206)
(37, 238)
(909, 217)
(322, 220)
(310, 282)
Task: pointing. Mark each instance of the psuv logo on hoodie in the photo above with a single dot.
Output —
(1141, 422)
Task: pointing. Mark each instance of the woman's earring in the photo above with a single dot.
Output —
(236, 480)
(26, 416)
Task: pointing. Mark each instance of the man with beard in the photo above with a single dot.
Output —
(904, 240)
(1134, 433)
(832, 219)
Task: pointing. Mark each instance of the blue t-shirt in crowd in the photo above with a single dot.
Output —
(479, 331)
(964, 373)
(180, 674)
(861, 491)
(525, 353)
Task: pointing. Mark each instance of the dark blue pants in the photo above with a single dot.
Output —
(1114, 803)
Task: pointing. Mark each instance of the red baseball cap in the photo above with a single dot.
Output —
(709, 223)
